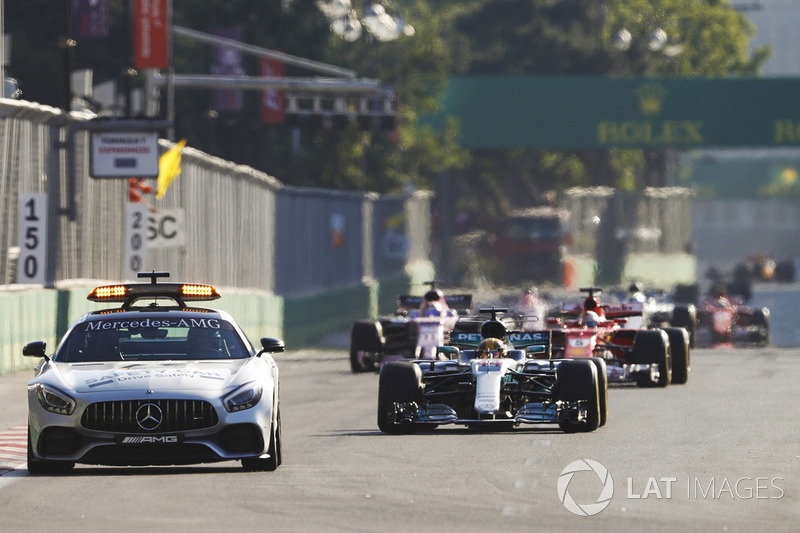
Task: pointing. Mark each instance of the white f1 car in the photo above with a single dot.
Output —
(160, 383)
(418, 327)
(495, 386)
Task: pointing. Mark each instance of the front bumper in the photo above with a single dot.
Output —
(80, 438)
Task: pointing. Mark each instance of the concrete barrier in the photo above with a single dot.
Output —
(35, 314)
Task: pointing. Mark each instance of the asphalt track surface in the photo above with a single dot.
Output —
(720, 453)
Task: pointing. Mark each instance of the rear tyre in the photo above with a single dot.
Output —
(652, 346)
(679, 350)
(761, 321)
(366, 344)
(685, 316)
(38, 467)
(400, 382)
(602, 387)
(577, 381)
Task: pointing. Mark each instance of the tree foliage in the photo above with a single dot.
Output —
(542, 37)
(307, 154)
(576, 37)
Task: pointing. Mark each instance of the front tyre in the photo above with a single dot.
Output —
(366, 344)
(400, 382)
(271, 463)
(652, 347)
(602, 387)
(577, 382)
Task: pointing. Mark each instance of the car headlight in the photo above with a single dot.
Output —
(54, 400)
(245, 397)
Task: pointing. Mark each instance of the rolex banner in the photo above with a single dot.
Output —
(564, 112)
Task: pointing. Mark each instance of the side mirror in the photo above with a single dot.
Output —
(271, 345)
(34, 349)
(450, 352)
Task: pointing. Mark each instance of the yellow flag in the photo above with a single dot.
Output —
(169, 166)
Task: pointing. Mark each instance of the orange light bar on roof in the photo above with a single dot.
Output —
(199, 291)
(110, 293)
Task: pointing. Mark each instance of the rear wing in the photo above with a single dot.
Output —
(462, 303)
(612, 311)
(623, 310)
(533, 342)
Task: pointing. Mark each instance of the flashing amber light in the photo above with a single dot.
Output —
(198, 290)
(109, 292)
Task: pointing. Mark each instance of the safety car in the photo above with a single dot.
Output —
(155, 381)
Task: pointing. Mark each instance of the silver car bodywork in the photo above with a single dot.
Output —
(151, 399)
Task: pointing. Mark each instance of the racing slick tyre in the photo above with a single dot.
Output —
(602, 387)
(39, 466)
(652, 346)
(401, 338)
(271, 463)
(400, 382)
(577, 381)
(366, 345)
(761, 321)
(679, 354)
(685, 316)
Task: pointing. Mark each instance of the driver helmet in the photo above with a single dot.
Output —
(492, 348)
(590, 319)
(434, 295)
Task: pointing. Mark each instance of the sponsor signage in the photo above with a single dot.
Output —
(91, 18)
(570, 112)
(151, 34)
(120, 154)
(272, 101)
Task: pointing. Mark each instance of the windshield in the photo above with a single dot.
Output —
(152, 340)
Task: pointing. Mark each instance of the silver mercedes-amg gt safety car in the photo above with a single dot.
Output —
(154, 382)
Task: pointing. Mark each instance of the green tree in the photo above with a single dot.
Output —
(347, 158)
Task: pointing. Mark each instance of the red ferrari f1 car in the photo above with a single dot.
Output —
(647, 357)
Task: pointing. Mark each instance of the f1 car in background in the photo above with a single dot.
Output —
(154, 382)
(647, 357)
(724, 318)
(497, 383)
(418, 327)
(661, 310)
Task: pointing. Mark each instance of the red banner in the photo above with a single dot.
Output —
(273, 110)
(151, 33)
